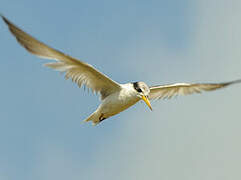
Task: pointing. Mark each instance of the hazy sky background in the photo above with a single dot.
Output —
(186, 138)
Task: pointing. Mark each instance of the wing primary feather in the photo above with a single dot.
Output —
(78, 71)
(168, 91)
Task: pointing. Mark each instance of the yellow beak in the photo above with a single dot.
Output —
(147, 102)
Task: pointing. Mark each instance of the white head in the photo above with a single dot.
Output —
(142, 92)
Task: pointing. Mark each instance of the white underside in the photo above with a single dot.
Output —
(115, 103)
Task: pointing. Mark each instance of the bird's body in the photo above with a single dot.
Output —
(119, 101)
(115, 103)
(115, 97)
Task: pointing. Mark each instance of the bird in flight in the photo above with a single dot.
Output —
(115, 97)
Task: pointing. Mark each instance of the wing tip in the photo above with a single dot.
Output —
(5, 19)
(232, 82)
(236, 81)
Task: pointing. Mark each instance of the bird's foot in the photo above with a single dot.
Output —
(101, 118)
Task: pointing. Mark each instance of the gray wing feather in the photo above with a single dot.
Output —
(80, 72)
(168, 91)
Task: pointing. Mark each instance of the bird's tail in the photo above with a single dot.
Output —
(93, 117)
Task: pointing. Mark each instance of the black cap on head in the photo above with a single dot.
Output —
(137, 87)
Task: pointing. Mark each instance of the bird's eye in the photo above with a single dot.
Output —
(136, 86)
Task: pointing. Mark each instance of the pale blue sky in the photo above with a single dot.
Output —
(194, 137)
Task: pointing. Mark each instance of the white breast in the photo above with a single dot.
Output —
(119, 101)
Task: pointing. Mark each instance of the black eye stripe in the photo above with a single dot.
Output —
(136, 86)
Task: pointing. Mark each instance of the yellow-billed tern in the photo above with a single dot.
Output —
(115, 97)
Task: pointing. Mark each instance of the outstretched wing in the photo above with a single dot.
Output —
(168, 91)
(80, 72)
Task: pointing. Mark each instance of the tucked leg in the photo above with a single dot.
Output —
(101, 118)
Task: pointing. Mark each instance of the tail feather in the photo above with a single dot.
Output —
(93, 117)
